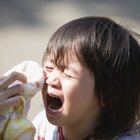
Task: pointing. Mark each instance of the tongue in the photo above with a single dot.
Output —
(55, 103)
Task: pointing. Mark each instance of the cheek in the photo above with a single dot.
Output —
(74, 91)
(88, 87)
(79, 100)
(84, 92)
(71, 89)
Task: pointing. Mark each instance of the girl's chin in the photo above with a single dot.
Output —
(54, 117)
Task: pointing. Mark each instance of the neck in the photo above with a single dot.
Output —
(81, 129)
(73, 134)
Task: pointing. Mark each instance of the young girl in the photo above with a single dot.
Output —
(92, 90)
(92, 83)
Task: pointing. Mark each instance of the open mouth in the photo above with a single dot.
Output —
(53, 102)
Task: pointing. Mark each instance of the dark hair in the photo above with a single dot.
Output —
(112, 55)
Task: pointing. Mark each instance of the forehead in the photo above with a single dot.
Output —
(64, 49)
(62, 58)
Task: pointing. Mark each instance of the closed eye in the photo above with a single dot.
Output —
(48, 68)
(68, 76)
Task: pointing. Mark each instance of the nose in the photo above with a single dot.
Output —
(53, 80)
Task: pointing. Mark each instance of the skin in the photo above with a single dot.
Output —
(11, 96)
(12, 88)
(76, 88)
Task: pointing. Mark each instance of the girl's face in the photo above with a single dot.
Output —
(69, 95)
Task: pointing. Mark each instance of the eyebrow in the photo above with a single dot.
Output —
(68, 67)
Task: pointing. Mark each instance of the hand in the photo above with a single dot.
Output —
(10, 96)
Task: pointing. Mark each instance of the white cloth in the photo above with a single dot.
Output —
(45, 130)
(13, 121)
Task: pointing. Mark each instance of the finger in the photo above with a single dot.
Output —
(11, 78)
(2, 78)
(14, 101)
(11, 92)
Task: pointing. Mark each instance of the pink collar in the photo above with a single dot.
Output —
(60, 133)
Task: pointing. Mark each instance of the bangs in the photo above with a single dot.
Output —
(63, 48)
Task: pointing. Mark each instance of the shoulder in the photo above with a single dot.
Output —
(128, 138)
(44, 129)
(39, 118)
(132, 134)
